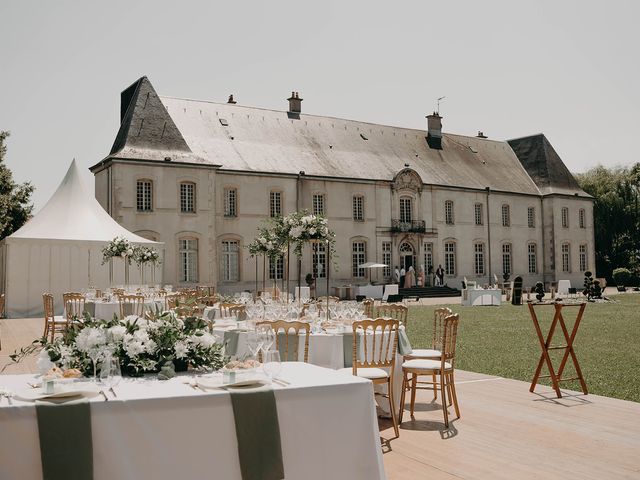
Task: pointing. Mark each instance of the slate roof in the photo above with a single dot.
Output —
(544, 166)
(241, 138)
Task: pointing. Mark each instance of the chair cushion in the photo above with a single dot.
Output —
(59, 319)
(370, 373)
(424, 353)
(425, 364)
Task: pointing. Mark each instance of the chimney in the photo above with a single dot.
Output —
(295, 103)
(231, 100)
(481, 135)
(434, 131)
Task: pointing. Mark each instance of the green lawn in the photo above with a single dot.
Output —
(502, 341)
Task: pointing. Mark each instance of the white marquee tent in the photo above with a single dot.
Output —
(60, 250)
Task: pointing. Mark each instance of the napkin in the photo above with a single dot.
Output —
(66, 447)
(258, 433)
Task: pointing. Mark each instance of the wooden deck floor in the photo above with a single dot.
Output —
(505, 432)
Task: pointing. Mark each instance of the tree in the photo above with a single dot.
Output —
(15, 199)
(616, 213)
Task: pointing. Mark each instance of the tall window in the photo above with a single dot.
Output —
(276, 267)
(448, 212)
(478, 213)
(531, 217)
(230, 202)
(450, 258)
(386, 259)
(565, 217)
(478, 249)
(506, 258)
(275, 204)
(583, 258)
(230, 266)
(188, 197)
(358, 257)
(532, 258)
(358, 208)
(188, 251)
(319, 260)
(506, 216)
(566, 257)
(428, 256)
(582, 219)
(406, 214)
(144, 195)
(318, 204)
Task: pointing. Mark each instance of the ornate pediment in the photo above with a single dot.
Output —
(408, 179)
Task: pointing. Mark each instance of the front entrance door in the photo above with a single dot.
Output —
(407, 257)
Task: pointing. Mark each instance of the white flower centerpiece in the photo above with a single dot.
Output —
(121, 248)
(146, 256)
(141, 345)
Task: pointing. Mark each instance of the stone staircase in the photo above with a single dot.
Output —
(429, 292)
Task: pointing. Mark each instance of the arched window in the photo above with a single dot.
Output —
(358, 257)
(450, 258)
(319, 259)
(478, 250)
(188, 259)
(448, 212)
(566, 257)
(230, 261)
(532, 257)
(506, 258)
(144, 195)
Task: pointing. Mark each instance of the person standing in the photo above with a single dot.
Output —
(440, 275)
(397, 275)
(410, 278)
(402, 275)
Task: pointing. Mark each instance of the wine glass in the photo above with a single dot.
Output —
(272, 366)
(95, 354)
(254, 343)
(268, 337)
(110, 373)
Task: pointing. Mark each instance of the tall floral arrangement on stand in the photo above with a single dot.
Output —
(121, 248)
(268, 244)
(146, 256)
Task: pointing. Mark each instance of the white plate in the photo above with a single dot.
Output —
(217, 382)
(60, 391)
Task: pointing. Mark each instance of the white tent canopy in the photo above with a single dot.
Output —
(60, 249)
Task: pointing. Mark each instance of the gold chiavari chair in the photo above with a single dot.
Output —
(443, 368)
(231, 309)
(73, 305)
(395, 311)
(131, 305)
(290, 339)
(206, 290)
(435, 352)
(209, 300)
(52, 324)
(368, 307)
(174, 300)
(380, 342)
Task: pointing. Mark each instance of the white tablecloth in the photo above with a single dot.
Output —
(106, 310)
(481, 296)
(304, 294)
(563, 287)
(391, 289)
(166, 430)
(370, 291)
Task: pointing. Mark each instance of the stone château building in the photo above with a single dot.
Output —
(201, 176)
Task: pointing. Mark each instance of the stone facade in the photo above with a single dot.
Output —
(543, 234)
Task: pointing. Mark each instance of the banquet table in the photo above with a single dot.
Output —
(325, 350)
(106, 310)
(167, 430)
(481, 296)
(370, 291)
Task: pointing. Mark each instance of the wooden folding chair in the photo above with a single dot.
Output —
(279, 326)
(380, 342)
(443, 368)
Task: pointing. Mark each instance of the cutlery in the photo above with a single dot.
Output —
(113, 392)
(101, 392)
(282, 383)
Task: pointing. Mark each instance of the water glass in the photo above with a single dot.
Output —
(272, 366)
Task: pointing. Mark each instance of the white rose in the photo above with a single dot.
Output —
(117, 332)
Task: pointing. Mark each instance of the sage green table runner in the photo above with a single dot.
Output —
(293, 349)
(404, 346)
(231, 342)
(347, 348)
(66, 447)
(258, 433)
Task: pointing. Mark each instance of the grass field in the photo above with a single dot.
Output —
(502, 341)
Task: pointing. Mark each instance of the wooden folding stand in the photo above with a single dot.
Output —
(556, 378)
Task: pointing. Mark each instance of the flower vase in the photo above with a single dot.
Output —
(142, 274)
(126, 271)
(153, 273)
(111, 272)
